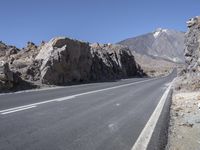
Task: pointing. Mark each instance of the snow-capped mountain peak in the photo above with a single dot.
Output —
(162, 43)
(159, 31)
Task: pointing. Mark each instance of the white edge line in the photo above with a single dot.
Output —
(16, 110)
(73, 96)
(146, 134)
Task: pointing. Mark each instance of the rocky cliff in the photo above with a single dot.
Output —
(11, 80)
(64, 61)
(113, 62)
(6, 76)
(67, 61)
(185, 108)
(190, 78)
(192, 46)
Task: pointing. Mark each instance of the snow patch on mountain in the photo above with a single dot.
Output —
(162, 43)
(156, 34)
(159, 31)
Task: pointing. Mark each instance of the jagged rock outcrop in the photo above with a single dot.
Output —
(14, 67)
(190, 76)
(23, 59)
(67, 61)
(7, 50)
(112, 62)
(8, 78)
(64, 61)
(192, 45)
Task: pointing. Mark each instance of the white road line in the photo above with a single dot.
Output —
(146, 134)
(73, 96)
(61, 87)
(46, 89)
(35, 104)
(16, 110)
(65, 98)
(53, 88)
(110, 88)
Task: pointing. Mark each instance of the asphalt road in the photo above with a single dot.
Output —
(98, 116)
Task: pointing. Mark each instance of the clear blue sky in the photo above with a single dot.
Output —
(90, 20)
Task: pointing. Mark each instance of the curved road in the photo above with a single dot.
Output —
(98, 116)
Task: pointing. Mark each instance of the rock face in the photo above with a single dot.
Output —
(190, 76)
(112, 62)
(64, 61)
(67, 61)
(6, 51)
(192, 45)
(8, 79)
(162, 43)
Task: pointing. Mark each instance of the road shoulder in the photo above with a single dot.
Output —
(184, 131)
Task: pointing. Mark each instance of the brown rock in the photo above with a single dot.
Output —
(112, 62)
(64, 61)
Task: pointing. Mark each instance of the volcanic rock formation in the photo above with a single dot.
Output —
(63, 61)
(190, 78)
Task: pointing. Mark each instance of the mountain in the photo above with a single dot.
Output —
(152, 66)
(163, 43)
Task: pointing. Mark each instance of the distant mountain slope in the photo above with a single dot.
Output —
(162, 43)
(153, 66)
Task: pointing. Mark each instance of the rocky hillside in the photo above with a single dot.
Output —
(64, 61)
(8, 79)
(190, 76)
(6, 50)
(162, 43)
(192, 46)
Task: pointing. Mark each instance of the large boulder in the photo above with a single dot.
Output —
(64, 61)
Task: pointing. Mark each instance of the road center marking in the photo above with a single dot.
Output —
(65, 98)
(16, 110)
(146, 134)
(68, 97)
(36, 104)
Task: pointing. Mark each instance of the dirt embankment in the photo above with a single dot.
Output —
(184, 132)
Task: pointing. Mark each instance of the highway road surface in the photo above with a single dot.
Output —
(97, 116)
